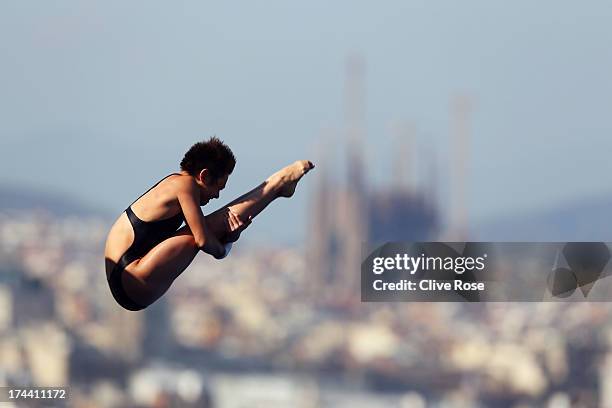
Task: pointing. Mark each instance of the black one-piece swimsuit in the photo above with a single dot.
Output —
(147, 234)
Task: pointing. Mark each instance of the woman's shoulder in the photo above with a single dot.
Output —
(182, 181)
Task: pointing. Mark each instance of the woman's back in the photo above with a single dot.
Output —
(149, 218)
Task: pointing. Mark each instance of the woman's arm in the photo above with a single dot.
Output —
(189, 199)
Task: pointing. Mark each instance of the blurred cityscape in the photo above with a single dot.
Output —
(285, 327)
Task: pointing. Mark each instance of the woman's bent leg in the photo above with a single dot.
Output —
(150, 277)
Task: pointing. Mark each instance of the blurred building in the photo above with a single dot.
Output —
(345, 215)
(35, 301)
(158, 339)
(47, 351)
(6, 308)
(166, 387)
(23, 299)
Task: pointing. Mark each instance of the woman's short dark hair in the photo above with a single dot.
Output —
(213, 155)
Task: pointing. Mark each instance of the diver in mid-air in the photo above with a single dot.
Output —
(145, 248)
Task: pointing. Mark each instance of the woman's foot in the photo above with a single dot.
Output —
(287, 178)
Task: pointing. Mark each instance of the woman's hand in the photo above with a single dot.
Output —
(235, 226)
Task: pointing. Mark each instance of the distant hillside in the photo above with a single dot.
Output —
(584, 220)
(61, 205)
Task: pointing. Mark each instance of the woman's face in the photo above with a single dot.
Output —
(211, 187)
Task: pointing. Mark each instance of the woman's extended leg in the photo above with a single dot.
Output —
(280, 184)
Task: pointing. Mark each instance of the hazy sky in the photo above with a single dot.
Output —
(100, 99)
